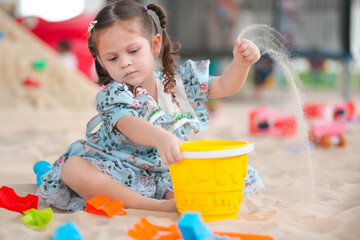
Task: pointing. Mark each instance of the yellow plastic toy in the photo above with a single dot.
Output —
(211, 177)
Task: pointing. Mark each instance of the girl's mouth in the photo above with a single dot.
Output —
(129, 74)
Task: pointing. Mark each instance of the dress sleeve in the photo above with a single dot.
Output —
(196, 79)
(114, 102)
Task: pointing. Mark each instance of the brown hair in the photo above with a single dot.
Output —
(127, 10)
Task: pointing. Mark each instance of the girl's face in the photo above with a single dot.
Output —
(128, 55)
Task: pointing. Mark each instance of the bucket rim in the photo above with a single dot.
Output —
(230, 149)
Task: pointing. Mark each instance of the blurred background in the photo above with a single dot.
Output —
(321, 35)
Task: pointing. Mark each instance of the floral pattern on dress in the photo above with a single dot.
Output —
(138, 167)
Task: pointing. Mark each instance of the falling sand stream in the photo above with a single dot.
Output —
(272, 43)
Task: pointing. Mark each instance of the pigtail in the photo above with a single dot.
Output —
(104, 77)
(168, 54)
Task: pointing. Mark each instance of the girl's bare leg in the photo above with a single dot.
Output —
(86, 180)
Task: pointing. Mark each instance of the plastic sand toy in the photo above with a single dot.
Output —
(343, 111)
(190, 226)
(148, 231)
(40, 168)
(67, 231)
(36, 219)
(211, 177)
(326, 133)
(31, 82)
(11, 201)
(265, 121)
(39, 64)
(101, 205)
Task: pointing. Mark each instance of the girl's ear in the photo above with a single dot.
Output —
(157, 44)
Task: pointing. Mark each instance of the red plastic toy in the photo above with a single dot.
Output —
(31, 82)
(264, 121)
(325, 133)
(101, 205)
(336, 112)
(11, 201)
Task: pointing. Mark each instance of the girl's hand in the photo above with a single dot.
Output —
(168, 205)
(246, 53)
(168, 147)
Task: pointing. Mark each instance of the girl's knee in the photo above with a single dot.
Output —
(69, 168)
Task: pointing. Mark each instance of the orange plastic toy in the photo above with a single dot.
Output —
(101, 205)
(243, 236)
(147, 231)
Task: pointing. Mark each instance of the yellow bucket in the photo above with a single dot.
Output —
(211, 177)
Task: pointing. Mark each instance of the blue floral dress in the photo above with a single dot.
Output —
(138, 167)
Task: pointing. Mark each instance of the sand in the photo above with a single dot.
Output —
(308, 194)
(288, 208)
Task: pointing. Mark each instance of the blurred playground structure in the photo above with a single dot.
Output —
(321, 35)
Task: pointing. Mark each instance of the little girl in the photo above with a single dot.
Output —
(143, 114)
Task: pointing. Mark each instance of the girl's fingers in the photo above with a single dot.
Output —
(251, 58)
(248, 52)
(238, 44)
(244, 45)
(165, 159)
(177, 155)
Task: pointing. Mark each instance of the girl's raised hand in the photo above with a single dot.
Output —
(246, 53)
(168, 147)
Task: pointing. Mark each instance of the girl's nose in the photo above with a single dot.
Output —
(125, 62)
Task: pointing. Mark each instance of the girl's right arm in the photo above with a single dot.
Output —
(142, 132)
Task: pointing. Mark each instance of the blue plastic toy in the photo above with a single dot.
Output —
(192, 227)
(67, 231)
(40, 168)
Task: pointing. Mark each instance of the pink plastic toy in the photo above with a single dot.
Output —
(264, 121)
(336, 112)
(11, 201)
(326, 133)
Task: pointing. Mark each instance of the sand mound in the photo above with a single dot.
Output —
(26, 57)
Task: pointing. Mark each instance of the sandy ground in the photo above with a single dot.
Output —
(308, 195)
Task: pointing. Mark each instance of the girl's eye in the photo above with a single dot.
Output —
(112, 59)
(134, 51)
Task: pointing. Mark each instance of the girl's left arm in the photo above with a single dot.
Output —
(246, 53)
